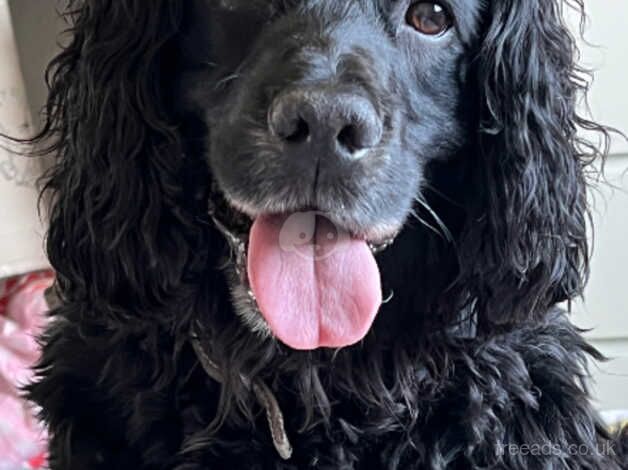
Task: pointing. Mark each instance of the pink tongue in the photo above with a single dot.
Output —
(315, 286)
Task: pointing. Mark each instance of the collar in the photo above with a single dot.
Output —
(262, 392)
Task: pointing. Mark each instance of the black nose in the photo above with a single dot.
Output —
(325, 122)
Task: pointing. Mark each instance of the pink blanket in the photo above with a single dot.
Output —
(22, 305)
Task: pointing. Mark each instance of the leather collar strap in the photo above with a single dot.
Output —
(263, 394)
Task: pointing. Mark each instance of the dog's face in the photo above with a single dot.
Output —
(330, 105)
(329, 109)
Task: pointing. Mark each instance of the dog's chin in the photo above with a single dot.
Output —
(236, 221)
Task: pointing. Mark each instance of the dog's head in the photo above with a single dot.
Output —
(318, 130)
(321, 119)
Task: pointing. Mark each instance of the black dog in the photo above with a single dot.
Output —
(323, 234)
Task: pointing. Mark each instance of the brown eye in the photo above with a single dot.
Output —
(429, 18)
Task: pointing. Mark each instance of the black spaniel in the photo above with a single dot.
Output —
(318, 234)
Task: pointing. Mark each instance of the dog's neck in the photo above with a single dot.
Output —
(262, 392)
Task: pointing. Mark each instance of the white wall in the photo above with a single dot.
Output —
(607, 53)
(605, 307)
(21, 232)
(36, 27)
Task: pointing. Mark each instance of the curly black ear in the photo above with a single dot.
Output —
(525, 246)
(120, 233)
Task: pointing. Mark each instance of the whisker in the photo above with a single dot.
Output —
(445, 230)
(426, 223)
(442, 195)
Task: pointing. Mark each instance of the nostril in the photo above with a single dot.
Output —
(348, 138)
(359, 136)
(361, 127)
(300, 132)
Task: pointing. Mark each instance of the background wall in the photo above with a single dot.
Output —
(605, 307)
(20, 229)
(36, 26)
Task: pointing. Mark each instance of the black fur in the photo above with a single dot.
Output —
(468, 358)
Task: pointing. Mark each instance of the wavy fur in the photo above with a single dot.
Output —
(472, 355)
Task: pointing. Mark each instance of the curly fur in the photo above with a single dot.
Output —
(472, 356)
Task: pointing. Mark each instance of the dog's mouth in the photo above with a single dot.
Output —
(313, 282)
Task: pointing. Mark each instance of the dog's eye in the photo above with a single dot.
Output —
(429, 18)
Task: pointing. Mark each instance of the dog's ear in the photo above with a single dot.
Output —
(119, 232)
(525, 246)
